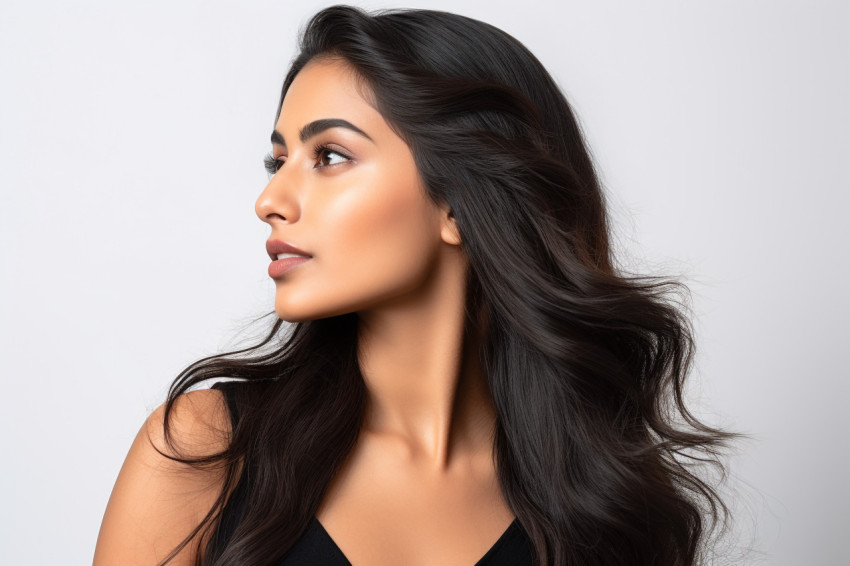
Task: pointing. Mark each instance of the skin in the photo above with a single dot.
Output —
(422, 469)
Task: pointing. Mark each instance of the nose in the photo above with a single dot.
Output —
(276, 201)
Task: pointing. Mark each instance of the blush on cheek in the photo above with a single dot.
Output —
(380, 249)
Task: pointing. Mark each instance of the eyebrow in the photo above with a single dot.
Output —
(316, 127)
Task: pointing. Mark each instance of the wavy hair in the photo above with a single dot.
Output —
(595, 447)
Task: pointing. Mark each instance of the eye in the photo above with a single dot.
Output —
(328, 157)
(272, 164)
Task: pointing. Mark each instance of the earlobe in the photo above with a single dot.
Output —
(449, 231)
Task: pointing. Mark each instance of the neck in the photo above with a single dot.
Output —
(426, 389)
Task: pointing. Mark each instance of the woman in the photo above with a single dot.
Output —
(468, 379)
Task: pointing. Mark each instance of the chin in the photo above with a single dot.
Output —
(293, 315)
(297, 313)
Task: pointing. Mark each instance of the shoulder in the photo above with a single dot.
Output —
(157, 501)
(198, 424)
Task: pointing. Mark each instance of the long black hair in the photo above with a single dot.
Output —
(586, 364)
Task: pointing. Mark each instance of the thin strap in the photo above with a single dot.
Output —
(235, 505)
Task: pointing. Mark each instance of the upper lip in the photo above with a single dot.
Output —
(275, 247)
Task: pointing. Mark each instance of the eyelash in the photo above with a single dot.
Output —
(272, 165)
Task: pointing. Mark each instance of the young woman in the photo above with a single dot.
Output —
(468, 379)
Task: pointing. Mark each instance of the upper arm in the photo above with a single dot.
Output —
(157, 502)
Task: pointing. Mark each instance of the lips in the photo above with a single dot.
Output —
(274, 247)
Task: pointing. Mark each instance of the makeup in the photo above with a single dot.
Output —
(284, 256)
(280, 266)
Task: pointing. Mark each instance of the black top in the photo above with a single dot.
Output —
(317, 548)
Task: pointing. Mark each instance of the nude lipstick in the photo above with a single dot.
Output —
(291, 257)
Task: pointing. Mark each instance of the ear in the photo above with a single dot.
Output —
(448, 227)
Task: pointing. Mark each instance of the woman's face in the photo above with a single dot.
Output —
(347, 193)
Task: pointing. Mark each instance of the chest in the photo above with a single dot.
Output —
(385, 511)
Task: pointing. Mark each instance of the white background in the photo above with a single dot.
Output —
(130, 160)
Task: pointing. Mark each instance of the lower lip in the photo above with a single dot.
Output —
(280, 266)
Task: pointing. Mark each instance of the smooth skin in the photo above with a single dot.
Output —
(420, 485)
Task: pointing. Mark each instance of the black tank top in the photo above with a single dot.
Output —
(317, 548)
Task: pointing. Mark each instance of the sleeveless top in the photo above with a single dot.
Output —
(315, 547)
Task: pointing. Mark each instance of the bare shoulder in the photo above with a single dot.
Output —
(157, 501)
(199, 424)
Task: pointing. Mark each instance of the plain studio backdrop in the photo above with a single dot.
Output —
(131, 145)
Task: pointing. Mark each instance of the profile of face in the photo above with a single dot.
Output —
(346, 191)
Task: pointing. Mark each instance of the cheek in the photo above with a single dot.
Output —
(379, 236)
(375, 235)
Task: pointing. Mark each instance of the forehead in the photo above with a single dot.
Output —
(326, 88)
